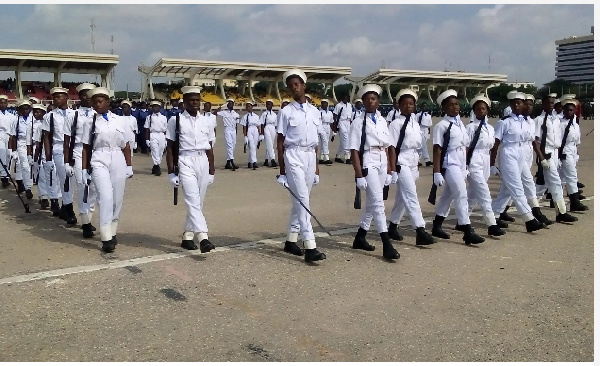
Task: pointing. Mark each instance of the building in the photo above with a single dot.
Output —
(575, 59)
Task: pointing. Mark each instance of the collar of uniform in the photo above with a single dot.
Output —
(187, 114)
(58, 110)
(454, 119)
(297, 105)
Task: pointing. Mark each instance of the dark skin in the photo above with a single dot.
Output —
(517, 106)
(558, 108)
(568, 111)
(86, 102)
(297, 88)
(230, 107)
(407, 106)
(3, 104)
(191, 103)
(336, 118)
(38, 114)
(156, 110)
(101, 104)
(451, 107)
(22, 111)
(59, 100)
(126, 109)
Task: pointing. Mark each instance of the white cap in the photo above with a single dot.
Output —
(285, 101)
(126, 102)
(85, 86)
(297, 72)
(155, 102)
(38, 106)
(3, 97)
(308, 96)
(482, 98)
(445, 95)
(406, 92)
(35, 100)
(99, 91)
(529, 97)
(22, 102)
(564, 102)
(180, 101)
(269, 100)
(190, 90)
(250, 102)
(325, 100)
(58, 89)
(230, 100)
(515, 95)
(366, 89)
(551, 95)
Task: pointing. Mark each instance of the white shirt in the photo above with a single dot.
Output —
(251, 119)
(426, 121)
(487, 136)
(25, 129)
(376, 135)
(131, 127)
(412, 139)
(459, 140)
(211, 116)
(345, 109)
(195, 133)
(108, 133)
(84, 115)
(513, 129)
(392, 115)
(573, 138)
(268, 118)
(299, 125)
(531, 127)
(37, 130)
(156, 122)
(6, 120)
(60, 118)
(507, 111)
(326, 116)
(553, 134)
(230, 117)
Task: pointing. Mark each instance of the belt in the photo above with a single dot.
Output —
(460, 148)
(107, 149)
(300, 148)
(192, 153)
(377, 148)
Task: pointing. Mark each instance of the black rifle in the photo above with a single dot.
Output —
(365, 171)
(561, 155)
(175, 152)
(71, 160)
(336, 123)
(89, 158)
(433, 191)
(539, 175)
(51, 138)
(25, 205)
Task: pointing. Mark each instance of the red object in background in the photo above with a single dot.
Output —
(578, 110)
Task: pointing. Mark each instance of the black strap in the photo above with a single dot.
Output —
(445, 147)
(402, 135)
(17, 129)
(93, 132)
(363, 140)
(51, 132)
(421, 118)
(564, 140)
(474, 141)
(72, 140)
(394, 115)
(544, 135)
(177, 145)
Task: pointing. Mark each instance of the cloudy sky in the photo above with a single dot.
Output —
(519, 39)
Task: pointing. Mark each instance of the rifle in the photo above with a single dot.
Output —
(51, 138)
(71, 160)
(561, 155)
(433, 191)
(365, 171)
(89, 162)
(474, 141)
(175, 150)
(539, 175)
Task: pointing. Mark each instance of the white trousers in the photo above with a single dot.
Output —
(158, 143)
(300, 172)
(324, 133)
(552, 179)
(84, 208)
(108, 174)
(193, 177)
(343, 131)
(59, 163)
(45, 189)
(270, 138)
(252, 143)
(4, 157)
(424, 152)
(374, 208)
(406, 197)
(230, 139)
(478, 191)
(455, 188)
(23, 167)
(568, 173)
(511, 164)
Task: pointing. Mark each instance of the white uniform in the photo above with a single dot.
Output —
(157, 123)
(269, 120)
(344, 111)
(108, 168)
(213, 121)
(59, 116)
(44, 190)
(252, 123)
(425, 122)
(324, 132)
(299, 125)
(455, 161)
(6, 121)
(568, 166)
(195, 136)
(408, 159)
(24, 127)
(507, 111)
(131, 127)
(84, 116)
(392, 115)
(526, 176)
(553, 141)
(230, 120)
(478, 191)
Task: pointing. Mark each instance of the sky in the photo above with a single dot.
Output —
(516, 40)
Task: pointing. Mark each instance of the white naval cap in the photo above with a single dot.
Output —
(156, 102)
(368, 88)
(325, 100)
(34, 99)
(285, 101)
(480, 97)
(190, 90)
(58, 89)
(567, 96)
(99, 91)
(308, 96)
(85, 86)
(551, 95)
(3, 97)
(22, 102)
(445, 95)
(230, 100)
(406, 92)
(515, 95)
(180, 101)
(251, 103)
(573, 101)
(293, 72)
(269, 100)
(125, 101)
(38, 106)
(529, 97)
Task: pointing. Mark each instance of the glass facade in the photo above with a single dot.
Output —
(575, 59)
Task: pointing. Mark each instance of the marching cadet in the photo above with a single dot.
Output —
(208, 113)
(405, 141)
(297, 151)
(6, 121)
(230, 121)
(73, 147)
(449, 168)
(54, 126)
(174, 109)
(156, 128)
(567, 152)
(131, 125)
(141, 113)
(20, 144)
(481, 141)
(368, 141)
(357, 109)
(44, 191)
(308, 98)
(191, 162)
(393, 113)
(425, 122)
(106, 161)
(514, 133)
(342, 115)
(269, 122)
(253, 134)
(283, 104)
(325, 131)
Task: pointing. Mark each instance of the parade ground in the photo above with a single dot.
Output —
(522, 297)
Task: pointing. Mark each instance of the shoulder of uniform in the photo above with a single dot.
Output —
(505, 117)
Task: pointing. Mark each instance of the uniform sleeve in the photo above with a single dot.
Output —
(500, 129)
(220, 113)
(394, 129)
(470, 128)
(171, 129)
(355, 134)
(134, 123)
(28, 135)
(336, 110)
(427, 121)
(12, 130)
(438, 133)
(86, 137)
(211, 131)
(282, 123)
(383, 122)
(37, 133)
(538, 126)
(147, 122)
(46, 122)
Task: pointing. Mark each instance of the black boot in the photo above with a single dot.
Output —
(108, 246)
(580, 196)
(292, 248)
(228, 165)
(154, 169)
(576, 204)
(348, 161)
(5, 183)
(429, 163)
(114, 239)
(437, 228)
(63, 213)
(249, 165)
(580, 185)
(54, 207)
(537, 213)
(469, 236)
(29, 194)
(189, 245)
(338, 160)
(158, 172)
(266, 163)
(423, 237)
(321, 161)
(360, 241)
(87, 230)
(565, 217)
(70, 216)
(206, 246)
(495, 230)
(506, 217)
(313, 255)
(92, 227)
(533, 225)
(393, 232)
(44, 204)
(274, 164)
(254, 166)
(20, 186)
(501, 224)
(388, 249)
(233, 166)
(328, 162)
(551, 203)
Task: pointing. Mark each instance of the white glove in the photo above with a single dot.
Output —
(174, 180)
(85, 176)
(316, 180)
(361, 183)
(494, 170)
(211, 179)
(438, 179)
(261, 137)
(69, 170)
(545, 164)
(48, 166)
(148, 143)
(388, 179)
(335, 134)
(282, 179)
(466, 172)
(394, 178)
(14, 155)
(245, 139)
(30, 159)
(135, 144)
(129, 172)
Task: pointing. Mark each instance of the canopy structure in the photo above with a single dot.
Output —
(428, 79)
(57, 63)
(193, 70)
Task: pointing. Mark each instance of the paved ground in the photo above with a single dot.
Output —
(526, 297)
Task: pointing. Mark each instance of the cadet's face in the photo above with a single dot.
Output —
(481, 110)
(24, 110)
(558, 107)
(155, 108)
(38, 114)
(568, 111)
(358, 105)
(126, 109)
(371, 101)
(296, 87)
(407, 105)
(192, 102)
(180, 105)
(269, 105)
(100, 103)
(424, 107)
(229, 105)
(324, 105)
(59, 99)
(345, 98)
(85, 99)
(284, 104)
(547, 104)
(249, 107)
(528, 108)
(207, 106)
(3, 104)
(452, 107)
(517, 106)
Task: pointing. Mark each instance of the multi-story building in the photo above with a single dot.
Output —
(575, 59)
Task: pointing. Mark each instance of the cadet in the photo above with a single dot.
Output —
(106, 154)
(230, 121)
(297, 151)
(449, 168)
(20, 143)
(141, 114)
(571, 137)
(368, 141)
(156, 125)
(6, 121)
(174, 108)
(253, 134)
(44, 191)
(208, 113)
(405, 141)
(190, 154)
(325, 131)
(342, 115)
(54, 126)
(392, 114)
(425, 123)
(269, 122)
(130, 125)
